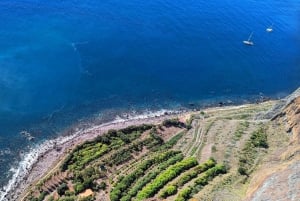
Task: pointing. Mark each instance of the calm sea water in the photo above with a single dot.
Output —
(61, 61)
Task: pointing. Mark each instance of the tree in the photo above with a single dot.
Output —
(78, 188)
(62, 189)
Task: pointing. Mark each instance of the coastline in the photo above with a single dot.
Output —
(48, 155)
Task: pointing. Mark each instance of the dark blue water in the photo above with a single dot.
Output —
(61, 61)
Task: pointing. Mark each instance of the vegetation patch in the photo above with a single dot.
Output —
(152, 174)
(248, 155)
(124, 183)
(91, 150)
(200, 182)
(240, 130)
(173, 171)
(173, 122)
(186, 177)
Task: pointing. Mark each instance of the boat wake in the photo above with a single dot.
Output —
(75, 48)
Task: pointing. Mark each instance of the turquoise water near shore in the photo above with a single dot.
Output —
(62, 61)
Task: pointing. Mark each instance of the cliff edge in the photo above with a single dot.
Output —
(279, 175)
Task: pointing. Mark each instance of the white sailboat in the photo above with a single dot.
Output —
(270, 28)
(249, 42)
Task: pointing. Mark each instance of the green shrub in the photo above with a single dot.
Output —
(51, 198)
(31, 198)
(62, 189)
(79, 187)
(242, 170)
(88, 198)
(126, 198)
(69, 193)
(71, 198)
(259, 138)
(140, 128)
(119, 157)
(184, 194)
(168, 190)
(173, 122)
(42, 196)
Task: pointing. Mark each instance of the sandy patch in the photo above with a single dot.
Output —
(86, 193)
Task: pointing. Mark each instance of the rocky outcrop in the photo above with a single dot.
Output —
(291, 115)
(279, 177)
(279, 106)
(283, 184)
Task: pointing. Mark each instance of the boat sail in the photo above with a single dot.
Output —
(249, 42)
(270, 28)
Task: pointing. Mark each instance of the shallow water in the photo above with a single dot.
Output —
(61, 61)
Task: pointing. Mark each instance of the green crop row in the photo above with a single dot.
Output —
(82, 157)
(169, 144)
(186, 177)
(124, 183)
(200, 182)
(173, 171)
(150, 176)
(91, 150)
(124, 155)
(184, 194)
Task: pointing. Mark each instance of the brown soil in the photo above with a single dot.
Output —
(86, 193)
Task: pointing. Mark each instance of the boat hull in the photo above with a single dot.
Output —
(269, 29)
(248, 42)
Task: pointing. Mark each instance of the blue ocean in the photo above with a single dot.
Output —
(67, 61)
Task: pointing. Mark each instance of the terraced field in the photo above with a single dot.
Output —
(174, 160)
